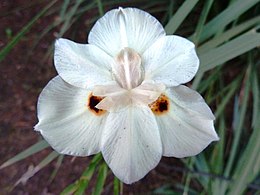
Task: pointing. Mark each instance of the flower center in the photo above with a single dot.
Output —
(129, 87)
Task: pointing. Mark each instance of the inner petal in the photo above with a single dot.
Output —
(114, 97)
(147, 92)
(127, 69)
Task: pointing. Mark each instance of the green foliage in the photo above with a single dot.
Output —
(231, 165)
(26, 153)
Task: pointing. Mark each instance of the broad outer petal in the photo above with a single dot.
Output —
(129, 27)
(65, 120)
(171, 60)
(187, 128)
(82, 65)
(131, 143)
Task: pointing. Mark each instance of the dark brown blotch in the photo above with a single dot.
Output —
(161, 105)
(92, 102)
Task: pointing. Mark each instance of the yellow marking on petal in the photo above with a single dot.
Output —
(161, 105)
(92, 102)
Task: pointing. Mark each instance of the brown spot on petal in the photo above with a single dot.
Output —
(92, 102)
(161, 105)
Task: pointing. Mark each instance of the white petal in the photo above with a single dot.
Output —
(131, 143)
(191, 100)
(129, 27)
(82, 65)
(188, 127)
(65, 120)
(116, 98)
(147, 92)
(171, 60)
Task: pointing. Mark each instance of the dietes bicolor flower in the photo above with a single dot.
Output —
(122, 95)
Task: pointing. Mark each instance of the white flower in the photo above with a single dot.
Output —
(121, 94)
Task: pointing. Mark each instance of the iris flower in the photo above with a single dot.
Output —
(122, 95)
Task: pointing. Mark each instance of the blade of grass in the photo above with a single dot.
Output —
(217, 161)
(248, 167)
(102, 175)
(229, 34)
(23, 31)
(116, 188)
(70, 189)
(179, 16)
(82, 183)
(256, 95)
(39, 146)
(202, 20)
(189, 164)
(68, 17)
(197, 79)
(238, 125)
(33, 170)
(231, 13)
(229, 50)
(201, 164)
(100, 8)
(64, 8)
(203, 86)
(222, 105)
(87, 175)
(57, 167)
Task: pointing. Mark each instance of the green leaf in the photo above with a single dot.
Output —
(248, 167)
(64, 8)
(24, 30)
(238, 125)
(81, 184)
(226, 98)
(256, 95)
(102, 175)
(229, 34)
(39, 146)
(180, 15)
(202, 20)
(217, 161)
(100, 7)
(70, 189)
(230, 14)
(229, 50)
(118, 186)
(68, 17)
(33, 170)
(57, 167)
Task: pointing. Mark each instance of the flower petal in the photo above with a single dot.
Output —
(115, 97)
(82, 65)
(147, 92)
(188, 127)
(171, 60)
(131, 143)
(65, 120)
(129, 27)
(191, 100)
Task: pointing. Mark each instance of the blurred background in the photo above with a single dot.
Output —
(227, 37)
